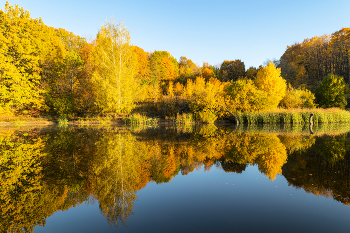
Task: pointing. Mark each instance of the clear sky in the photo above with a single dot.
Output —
(203, 31)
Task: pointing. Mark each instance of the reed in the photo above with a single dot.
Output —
(184, 119)
(297, 129)
(62, 122)
(295, 116)
(138, 119)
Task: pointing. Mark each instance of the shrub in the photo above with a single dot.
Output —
(298, 98)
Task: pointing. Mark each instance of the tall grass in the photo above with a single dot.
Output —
(62, 122)
(138, 119)
(184, 119)
(295, 116)
(297, 129)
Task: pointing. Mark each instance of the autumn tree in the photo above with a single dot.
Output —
(231, 70)
(206, 98)
(244, 96)
(309, 61)
(340, 53)
(292, 65)
(269, 80)
(170, 89)
(143, 71)
(65, 80)
(187, 69)
(84, 95)
(159, 66)
(168, 69)
(178, 89)
(251, 73)
(21, 46)
(116, 69)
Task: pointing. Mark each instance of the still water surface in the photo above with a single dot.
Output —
(176, 179)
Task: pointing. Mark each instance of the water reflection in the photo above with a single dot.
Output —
(44, 171)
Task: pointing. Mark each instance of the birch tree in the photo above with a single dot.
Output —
(115, 70)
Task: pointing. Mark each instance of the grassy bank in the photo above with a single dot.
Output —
(276, 117)
(295, 116)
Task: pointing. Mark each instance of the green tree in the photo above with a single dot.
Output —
(116, 70)
(331, 92)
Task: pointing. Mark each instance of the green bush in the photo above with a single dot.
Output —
(331, 92)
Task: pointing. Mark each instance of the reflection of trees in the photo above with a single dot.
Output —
(297, 143)
(36, 179)
(265, 150)
(323, 169)
(230, 166)
(43, 172)
(20, 172)
(333, 148)
(117, 175)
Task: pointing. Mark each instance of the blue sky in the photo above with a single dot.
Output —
(203, 31)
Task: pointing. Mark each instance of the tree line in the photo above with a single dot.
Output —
(50, 71)
(310, 61)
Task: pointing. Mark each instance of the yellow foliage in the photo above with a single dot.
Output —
(178, 89)
(154, 92)
(116, 70)
(207, 73)
(143, 64)
(170, 89)
(244, 96)
(269, 80)
(207, 98)
(298, 98)
(189, 89)
(22, 42)
(168, 68)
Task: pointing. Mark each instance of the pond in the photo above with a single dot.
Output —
(175, 179)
